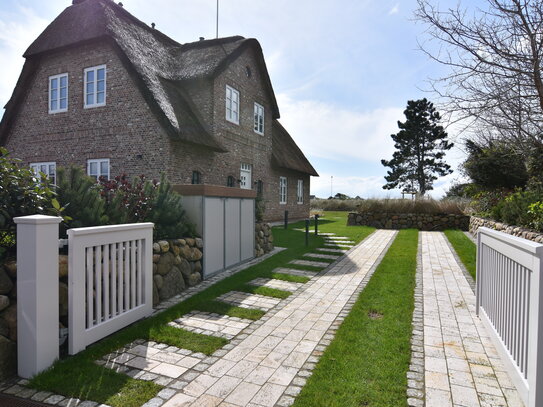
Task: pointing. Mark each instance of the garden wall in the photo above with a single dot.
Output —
(476, 222)
(263, 239)
(409, 220)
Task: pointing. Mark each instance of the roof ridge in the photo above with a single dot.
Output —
(212, 42)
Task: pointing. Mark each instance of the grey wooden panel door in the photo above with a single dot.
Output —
(247, 228)
(232, 253)
(213, 235)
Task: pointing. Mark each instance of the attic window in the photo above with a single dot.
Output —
(58, 93)
(196, 177)
(248, 71)
(95, 86)
(230, 181)
(259, 119)
(232, 105)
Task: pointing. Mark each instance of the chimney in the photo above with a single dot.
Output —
(152, 25)
(77, 1)
(120, 4)
(202, 38)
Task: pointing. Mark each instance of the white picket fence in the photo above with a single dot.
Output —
(110, 280)
(510, 304)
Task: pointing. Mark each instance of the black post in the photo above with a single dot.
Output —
(286, 219)
(316, 225)
(307, 232)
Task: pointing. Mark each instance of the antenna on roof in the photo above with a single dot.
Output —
(217, 25)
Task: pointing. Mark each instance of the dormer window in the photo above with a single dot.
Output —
(58, 93)
(95, 86)
(259, 119)
(232, 105)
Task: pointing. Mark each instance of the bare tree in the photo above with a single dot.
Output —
(495, 59)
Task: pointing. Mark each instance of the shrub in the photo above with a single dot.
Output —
(520, 208)
(424, 206)
(335, 204)
(80, 196)
(21, 194)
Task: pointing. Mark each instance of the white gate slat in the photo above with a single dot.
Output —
(510, 304)
(111, 271)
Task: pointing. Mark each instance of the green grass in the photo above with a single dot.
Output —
(290, 277)
(367, 362)
(267, 291)
(465, 248)
(78, 376)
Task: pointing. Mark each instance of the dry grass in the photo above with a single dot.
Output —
(319, 205)
(424, 206)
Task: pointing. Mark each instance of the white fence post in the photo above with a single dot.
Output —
(37, 293)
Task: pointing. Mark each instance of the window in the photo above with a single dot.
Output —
(97, 168)
(58, 93)
(95, 86)
(196, 177)
(259, 187)
(282, 190)
(230, 181)
(232, 105)
(300, 192)
(245, 176)
(49, 169)
(259, 119)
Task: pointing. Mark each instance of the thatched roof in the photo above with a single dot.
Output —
(286, 154)
(161, 67)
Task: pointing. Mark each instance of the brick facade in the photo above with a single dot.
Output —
(128, 133)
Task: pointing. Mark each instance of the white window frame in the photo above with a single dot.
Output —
(245, 176)
(232, 105)
(50, 165)
(259, 119)
(300, 192)
(283, 185)
(58, 99)
(95, 91)
(98, 162)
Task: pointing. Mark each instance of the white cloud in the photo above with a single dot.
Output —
(395, 9)
(365, 187)
(327, 131)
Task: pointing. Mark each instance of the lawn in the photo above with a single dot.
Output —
(78, 376)
(465, 248)
(366, 364)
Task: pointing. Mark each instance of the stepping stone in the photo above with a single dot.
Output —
(248, 300)
(327, 250)
(338, 245)
(295, 272)
(155, 362)
(310, 263)
(339, 241)
(209, 323)
(322, 256)
(277, 284)
(336, 238)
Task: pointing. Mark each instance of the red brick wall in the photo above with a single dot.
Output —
(127, 132)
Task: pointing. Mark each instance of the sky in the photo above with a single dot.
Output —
(342, 72)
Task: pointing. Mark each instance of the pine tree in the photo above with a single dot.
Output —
(420, 147)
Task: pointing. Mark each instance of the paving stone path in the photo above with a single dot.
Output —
(209, 323)
(462, 367)
(277, 284)
(295, 272)
(311, 263)
(322, 256)
(247, 300)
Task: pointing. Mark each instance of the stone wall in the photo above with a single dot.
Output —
(409, 220)
(475, 223)
(263, 239)
(8, 319)
(177, 264)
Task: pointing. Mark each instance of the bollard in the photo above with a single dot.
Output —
(286, 219)
(307, 232)
(316, 225)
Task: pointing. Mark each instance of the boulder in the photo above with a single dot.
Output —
(195, 254)
(4, 328)
(190, 241)
(62, 299)
(164, 246)
(156, 258)
(62, 265)
(156, 296)
(181, 242)
(165, 263)
(9, 315)
(175, 249)
(156, 248)
(199, 243)
(5, 282)
(194, 279)
(185, 268)
(4, 303)
(11, 268)
(8, 358)
(186, 251)
(197, 266)
(158, 280)
(173, 284)
(177, 260)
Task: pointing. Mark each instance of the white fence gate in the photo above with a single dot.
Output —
(110, 280)
(510, 304)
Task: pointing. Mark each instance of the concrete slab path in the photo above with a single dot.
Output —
(462, 367)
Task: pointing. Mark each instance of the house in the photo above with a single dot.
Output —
(102, 89)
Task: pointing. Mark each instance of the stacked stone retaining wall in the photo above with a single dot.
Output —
(263, 239)
(476, 222)
(419, 221)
